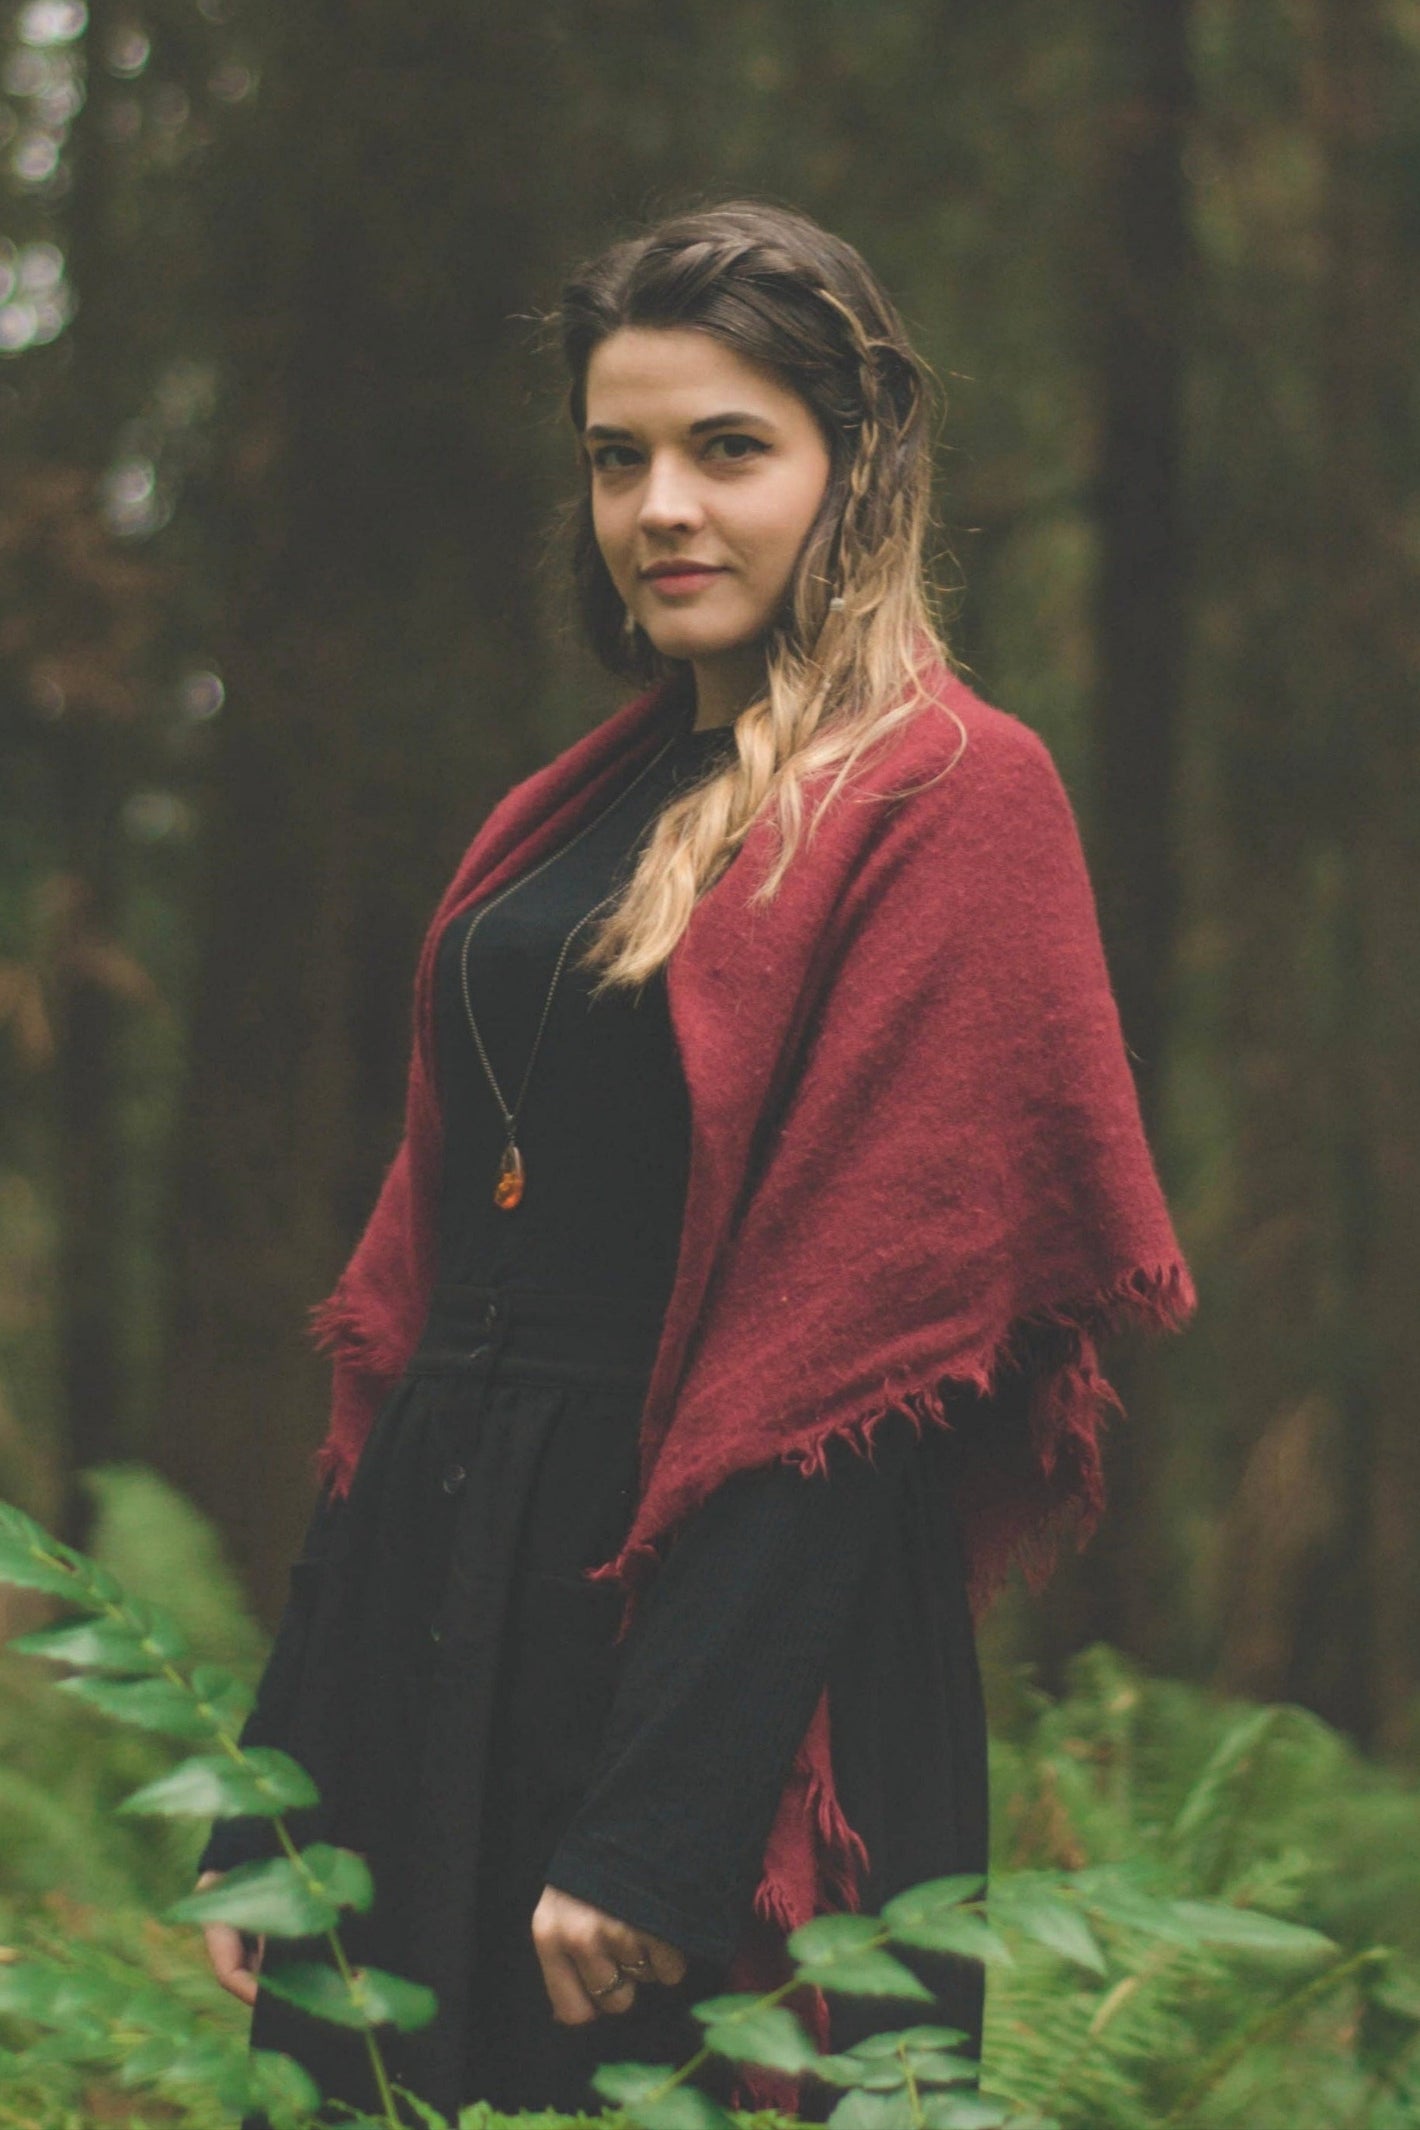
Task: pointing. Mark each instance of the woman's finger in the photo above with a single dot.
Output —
(601, 1964)
(667, 1961)
(649, 1958)
(566, 1992)
(233, 1966)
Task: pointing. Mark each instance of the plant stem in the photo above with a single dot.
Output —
(1270, 2021)
(1123, 1991)
(232, 1746)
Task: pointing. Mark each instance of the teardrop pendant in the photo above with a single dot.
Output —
(508, 1190)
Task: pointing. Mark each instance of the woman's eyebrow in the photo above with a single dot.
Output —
(605, 432)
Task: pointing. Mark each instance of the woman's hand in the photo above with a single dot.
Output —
(581, 1951)
(235, 1962)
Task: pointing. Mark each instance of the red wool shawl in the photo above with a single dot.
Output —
(914, 1138)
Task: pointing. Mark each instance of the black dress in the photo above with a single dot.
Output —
(446, 1671)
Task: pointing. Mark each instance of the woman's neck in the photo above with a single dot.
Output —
(725, 684)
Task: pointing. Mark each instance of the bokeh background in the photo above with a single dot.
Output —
(283, 612)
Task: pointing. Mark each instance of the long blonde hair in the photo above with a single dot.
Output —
(782, 292)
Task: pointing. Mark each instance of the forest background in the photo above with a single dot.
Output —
(282, 615)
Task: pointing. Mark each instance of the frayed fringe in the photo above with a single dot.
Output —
(1063, 1493)
(1157, 1297)
(340, 1327)
(334, 1466)
(920, 1406)
(844, 1853)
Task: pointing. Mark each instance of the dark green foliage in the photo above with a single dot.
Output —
(1193, 1962)
(1185, 1966)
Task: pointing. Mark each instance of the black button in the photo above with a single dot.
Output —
(452, 1478)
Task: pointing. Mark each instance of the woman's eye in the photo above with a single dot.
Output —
(753, 442)
(601, 457)
(738, 448)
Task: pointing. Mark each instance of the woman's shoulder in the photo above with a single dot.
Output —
(976, 755)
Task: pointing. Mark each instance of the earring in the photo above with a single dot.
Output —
(836, 605)
(628, 626)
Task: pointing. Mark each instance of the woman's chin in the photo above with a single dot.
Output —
(691, 645)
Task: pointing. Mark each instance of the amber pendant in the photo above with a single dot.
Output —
(508, 1190)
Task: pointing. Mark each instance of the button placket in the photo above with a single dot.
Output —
(493, 1321)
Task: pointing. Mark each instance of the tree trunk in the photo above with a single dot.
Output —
(379, 654)
(1137, 278)
(1368, 592)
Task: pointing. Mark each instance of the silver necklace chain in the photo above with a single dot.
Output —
(510, 1117)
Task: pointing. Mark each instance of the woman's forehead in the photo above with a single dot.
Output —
(685, 375)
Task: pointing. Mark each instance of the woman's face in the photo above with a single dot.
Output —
(700, 458)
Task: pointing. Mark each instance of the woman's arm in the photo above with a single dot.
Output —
(724, 1664)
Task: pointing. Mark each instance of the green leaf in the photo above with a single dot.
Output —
(1398, 1992)
(148, 2061)
(224, 1697)
(77, 2041)
(29, 1986)
(1052, 1918)
(914, 2038)
(153, 1704)
(683, 2108)
(393, 2000)
(152, 2008)
(864, 1974)
(200, 2062)
(828, 1936)
(1248, 1930)
(886, 2059)
(276, 2082)
(91, 1645)
(887, 2075)
(38, 1563)
(715, 2011)
(280, 1897)
(872, 2111)
(631, 2085)
(768, 2035)
(373, 1998)
(964, 2111)
(840, 2070)
(341, 1875)
(211, 1786)
(944, 2070)
(628, 2082)
(917, 2037)
(1202, 1802)
(945, 1930)
(1107, 1894)
(272, 1895)
(946, 1893)
(35, 1559)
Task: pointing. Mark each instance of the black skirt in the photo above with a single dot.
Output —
(449, 1607)
(457, 1687)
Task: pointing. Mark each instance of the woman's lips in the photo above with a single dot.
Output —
(683, 580)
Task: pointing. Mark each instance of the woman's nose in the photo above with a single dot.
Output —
(669, 496)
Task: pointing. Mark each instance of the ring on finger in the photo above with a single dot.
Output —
(636, 1967)
(609, 1988)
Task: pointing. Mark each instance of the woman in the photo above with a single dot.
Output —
(726, 1325)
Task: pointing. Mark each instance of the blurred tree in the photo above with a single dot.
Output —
(1329, 1131)
(373, 521)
